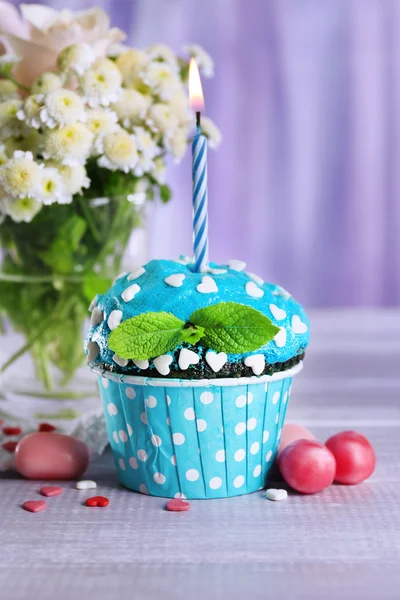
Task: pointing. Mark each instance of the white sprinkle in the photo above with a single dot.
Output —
(277, 313)
(162, 363)
(253, 290)
(114, 319)
(236, 265)
(216, 361)
(175, 280)
(256, 363)
(93, 351)
(216, 271)
(280, 338)
(130, 292)
(187, 358)
(141, 364)
(86, 484)
(207, 285)
(122, 362)
(97, 316)
(136, 274)
(119, 277)
(276, 495)
(256, 278)
(298, 326)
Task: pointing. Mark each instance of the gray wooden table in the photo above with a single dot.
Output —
(344, 543)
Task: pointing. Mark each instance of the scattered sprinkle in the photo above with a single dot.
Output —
(162, 363)
(130, 292)
(46, 428)
(207, 285)
(34, 505)
(99, 501)
(256, 278)
(51, 490)
(236, 265)
(12, 430)
(9, 446)
(177, 505)
(136, 274)
(114, 319)
(276, 495)
(175, 280)
(253, 290)
(86, 484)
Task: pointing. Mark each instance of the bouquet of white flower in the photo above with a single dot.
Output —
(81, 145)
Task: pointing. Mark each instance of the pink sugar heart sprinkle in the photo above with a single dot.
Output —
(34, 505)
(178, 505)
(51, 490)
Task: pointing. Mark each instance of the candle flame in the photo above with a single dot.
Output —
(196, 98)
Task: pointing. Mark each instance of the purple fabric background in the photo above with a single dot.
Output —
(306, 185)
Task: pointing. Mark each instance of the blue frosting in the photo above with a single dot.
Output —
(156, 295)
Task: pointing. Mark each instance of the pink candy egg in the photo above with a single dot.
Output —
(307, 466)
(355, 457)
(291, 433)
(51, 456)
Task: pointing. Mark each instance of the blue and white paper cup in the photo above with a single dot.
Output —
(194, 439)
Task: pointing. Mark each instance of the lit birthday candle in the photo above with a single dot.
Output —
(199, 174)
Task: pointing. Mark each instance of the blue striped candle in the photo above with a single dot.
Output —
(200, 201)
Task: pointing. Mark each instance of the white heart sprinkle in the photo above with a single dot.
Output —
(280, 338)
(297, 325)
(93, 351)
(280, 291)
(130, 292)
(136, 274)
(255, 362)
(119, 277)
(256, 278)
(86, 484)
(162, 363)
(216, 271)
(277, 312)
(114, 319)
(236, 265)
(97, 317)
(216, 361)
(187, 358)
(175, 280)
(141, 364)
(94, 302)
(207, 285)
(253, 290)
(276, 495)
(122, 362)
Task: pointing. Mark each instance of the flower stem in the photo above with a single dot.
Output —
(22, 87)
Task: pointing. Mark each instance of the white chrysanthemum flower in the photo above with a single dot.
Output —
(20, 176)
(21, 209)
(161, 52)
(161, 78)
(62, 107)
(69, 145)
(45, 83)
(162, 119)
(211, 131)
(203, 59)
(101, 121)
(75, 178)
(119, 152)
(29, 113)
(115, 50)
(9, 124)
(101, 84)
(179, 104)
(30, 142)
(145, 142)
(131, 64)
(75, 59)
(8, 90)
(177, 144)
(52, 188)
(159, 170)
(131, 107)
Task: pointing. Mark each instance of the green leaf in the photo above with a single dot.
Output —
(234, 328)
(95, 284)
(147, 335)
(165, 193)
(192, 333)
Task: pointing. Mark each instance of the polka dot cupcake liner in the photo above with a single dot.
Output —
(194, 439)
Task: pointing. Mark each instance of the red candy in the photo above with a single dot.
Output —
(12, 430)
(355, 457)
(291, 433)
(177, 505)
(97, 501)
(9, 446)
(51, 490)
(34, 505)
(46, 428)
(307, 466)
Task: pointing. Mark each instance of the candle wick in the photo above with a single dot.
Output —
(198, 121)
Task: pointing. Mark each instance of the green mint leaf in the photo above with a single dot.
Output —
(234, 328)
(192, 334)
(146, 336)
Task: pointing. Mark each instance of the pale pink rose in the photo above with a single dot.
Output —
(40, 33)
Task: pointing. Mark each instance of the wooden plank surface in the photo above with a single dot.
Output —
(344, 543)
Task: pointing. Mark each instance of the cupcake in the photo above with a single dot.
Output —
(195, 373)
